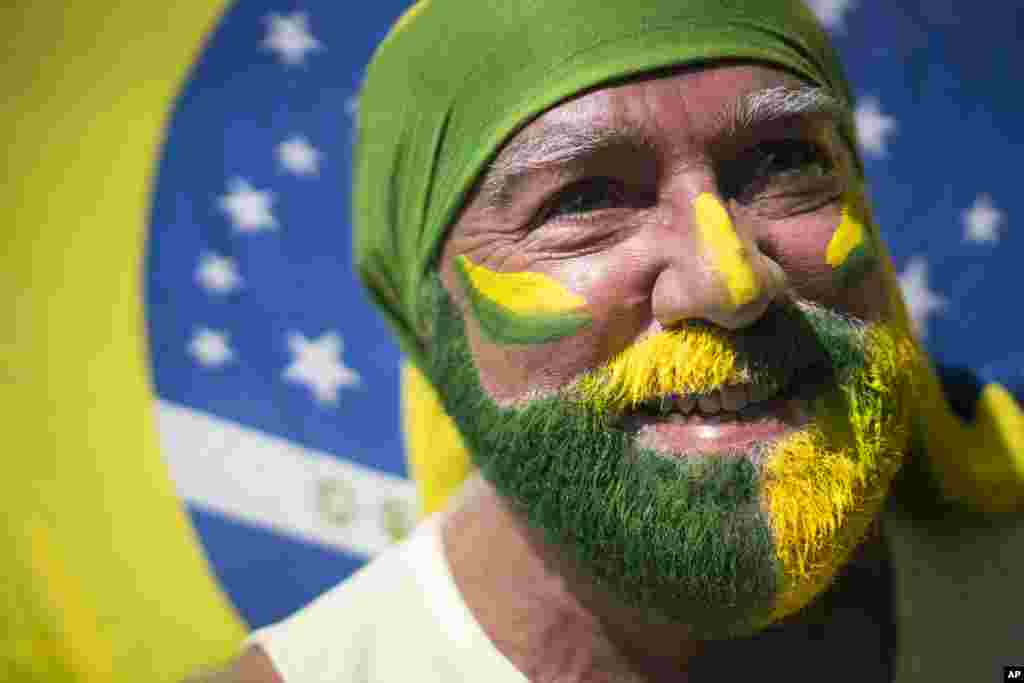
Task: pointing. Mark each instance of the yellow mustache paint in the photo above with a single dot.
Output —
(727, 251)
(683, 361)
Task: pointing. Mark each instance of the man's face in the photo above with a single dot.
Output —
(679, 355)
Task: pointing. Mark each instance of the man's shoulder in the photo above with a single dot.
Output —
(336, 618)
(347, 632)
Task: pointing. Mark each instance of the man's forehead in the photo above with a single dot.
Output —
(730, 78)
(617, 114)
(606, 106)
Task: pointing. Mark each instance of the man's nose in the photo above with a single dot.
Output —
(719, 275)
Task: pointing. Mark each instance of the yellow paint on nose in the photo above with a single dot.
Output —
(848, 236)
(730, 256)
(524, 293)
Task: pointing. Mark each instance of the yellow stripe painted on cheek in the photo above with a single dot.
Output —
(729, 254)
(524, 293)
(848, 236)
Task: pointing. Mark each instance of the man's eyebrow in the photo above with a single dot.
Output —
(562, 144)
(780, 102)
(555, 146)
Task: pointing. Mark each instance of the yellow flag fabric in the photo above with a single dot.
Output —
(104, 579)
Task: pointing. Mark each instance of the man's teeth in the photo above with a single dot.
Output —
(730, 399)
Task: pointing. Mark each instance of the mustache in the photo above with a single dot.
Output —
(795, 341)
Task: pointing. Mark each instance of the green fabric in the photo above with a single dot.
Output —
(457, 78)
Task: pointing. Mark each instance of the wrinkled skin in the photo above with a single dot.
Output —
(634, 259)
(618, 229)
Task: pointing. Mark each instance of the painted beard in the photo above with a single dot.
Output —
(725, 543)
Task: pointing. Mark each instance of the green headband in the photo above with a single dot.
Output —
(456, 78)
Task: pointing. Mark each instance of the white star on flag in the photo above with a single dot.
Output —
(873, 127)
(921, 300)
(218, 274)
(830, 12)
(297, 156)
(210, 347)
(317, 364)
(290, 38)
(982, 221)
(248, 208)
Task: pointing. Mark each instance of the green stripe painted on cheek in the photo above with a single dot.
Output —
(504, 325)
(859, 262)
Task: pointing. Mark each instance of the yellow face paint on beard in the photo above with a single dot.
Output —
(825, 484)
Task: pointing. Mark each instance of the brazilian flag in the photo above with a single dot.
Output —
(103, 576)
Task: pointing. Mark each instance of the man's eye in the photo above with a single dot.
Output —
(775, 165)
(586, 196)
(792, 158)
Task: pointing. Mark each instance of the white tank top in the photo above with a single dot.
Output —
(400, 618)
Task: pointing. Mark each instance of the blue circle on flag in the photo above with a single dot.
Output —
(277, 382)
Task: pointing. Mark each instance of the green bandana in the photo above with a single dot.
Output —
(455, 79)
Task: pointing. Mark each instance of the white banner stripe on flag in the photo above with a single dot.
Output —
(273, 483)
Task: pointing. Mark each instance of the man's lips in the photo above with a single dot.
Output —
(695, 433)
(688, 426)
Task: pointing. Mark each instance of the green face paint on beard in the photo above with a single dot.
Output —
(685, 540)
